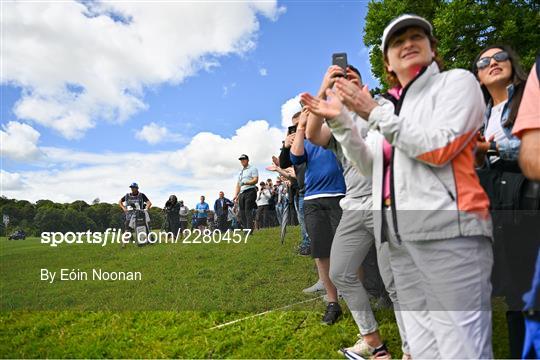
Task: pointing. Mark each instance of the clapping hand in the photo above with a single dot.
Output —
(329, 108)
(354, 98)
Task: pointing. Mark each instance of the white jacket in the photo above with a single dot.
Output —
(436, 192)
(264, 197)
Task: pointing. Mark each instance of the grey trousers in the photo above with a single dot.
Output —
(444, 291)
(352, 241)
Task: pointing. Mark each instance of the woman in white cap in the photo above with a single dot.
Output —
(427, 200)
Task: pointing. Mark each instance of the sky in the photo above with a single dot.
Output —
(97, 95)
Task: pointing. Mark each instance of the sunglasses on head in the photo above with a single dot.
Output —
(485, 61)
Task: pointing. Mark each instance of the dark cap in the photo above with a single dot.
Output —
(134, 185)
(243, 157)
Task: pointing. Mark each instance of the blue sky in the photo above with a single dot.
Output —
(198, 107)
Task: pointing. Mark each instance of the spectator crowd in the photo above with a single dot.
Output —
(424, 198)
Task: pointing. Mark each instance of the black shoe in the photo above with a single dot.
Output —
(304, 251)
(332, 313)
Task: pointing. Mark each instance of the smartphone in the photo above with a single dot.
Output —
(291, 129)
(340, 59)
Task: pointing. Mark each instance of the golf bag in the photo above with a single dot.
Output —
(139, 219)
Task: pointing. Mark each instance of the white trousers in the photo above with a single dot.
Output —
(444, 293)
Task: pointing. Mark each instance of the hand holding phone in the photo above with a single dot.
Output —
(340, 59)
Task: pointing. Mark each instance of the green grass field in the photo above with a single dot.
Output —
(185, 292)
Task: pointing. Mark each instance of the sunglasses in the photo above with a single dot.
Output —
(485, 61)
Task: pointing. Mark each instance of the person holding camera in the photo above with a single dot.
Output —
(354, 239)
(172, 216)
(427, 200)
(272, 213)
(246, 192)
(296, 193)
(263, 201)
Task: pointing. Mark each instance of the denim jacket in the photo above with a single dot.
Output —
(509, 147)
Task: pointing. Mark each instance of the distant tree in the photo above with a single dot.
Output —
(78, 205)
(116, 217)
(27, 210)
(95, 201)
(77, 221)
(156, 217)
(49, 219)
(47, 203)
(100, 215)
(463, 28)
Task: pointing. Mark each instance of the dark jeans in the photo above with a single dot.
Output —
(299, 204)
(222, 223)
(262, 216)
(246, 203)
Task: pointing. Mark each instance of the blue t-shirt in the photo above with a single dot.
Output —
(202, 208)
(324, 174)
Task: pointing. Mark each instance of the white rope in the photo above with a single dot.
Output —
(263, 313)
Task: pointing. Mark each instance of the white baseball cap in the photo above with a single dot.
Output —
(402, 22)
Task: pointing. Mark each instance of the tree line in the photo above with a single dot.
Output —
(46, 215)
(463, 28)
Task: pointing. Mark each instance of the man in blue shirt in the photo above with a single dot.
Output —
(221, 209)
(246, 192)
(325, 186)
(201, 210)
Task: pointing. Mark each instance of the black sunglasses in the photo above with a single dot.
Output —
(485, 61)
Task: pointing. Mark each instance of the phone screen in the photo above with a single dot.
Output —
(291, 129)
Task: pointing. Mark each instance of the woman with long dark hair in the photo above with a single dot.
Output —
(502, 80)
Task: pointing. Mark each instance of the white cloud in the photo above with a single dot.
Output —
(78, 64)
(263, 71)
(10, 181)
(208, 164)
(288, 109)
(18, 141)
(154, 134)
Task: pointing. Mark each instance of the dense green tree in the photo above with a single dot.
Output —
(100, 215)
(47, 203)
(77, 221)
(47, 215)
(116, 216)
(79, 205)
(156, 217)
(49, 218)
(27, 209)
(463, 28)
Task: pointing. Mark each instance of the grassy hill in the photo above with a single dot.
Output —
(184, 306)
